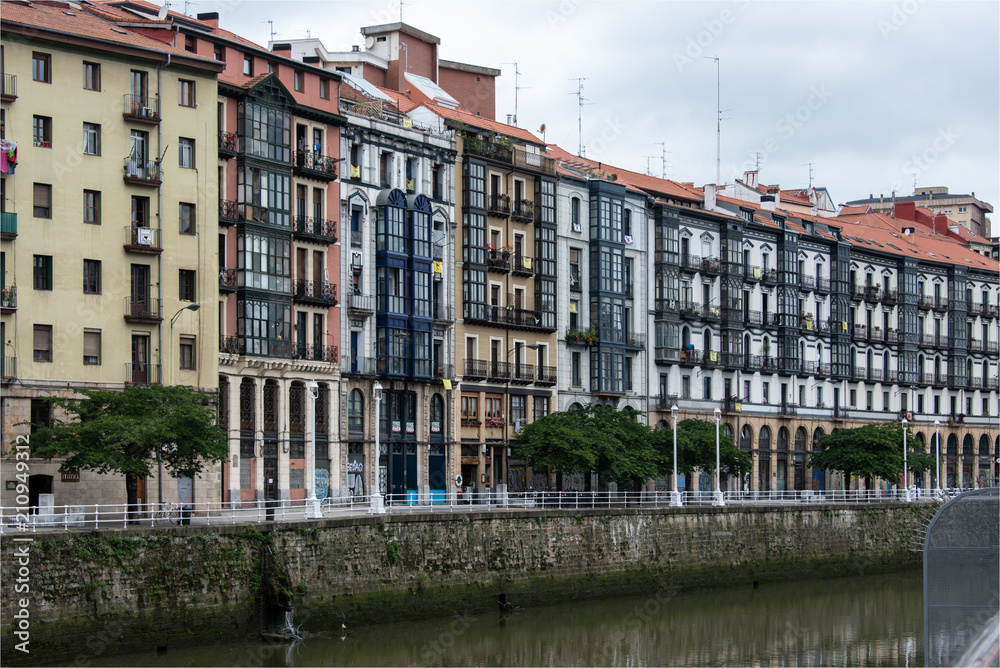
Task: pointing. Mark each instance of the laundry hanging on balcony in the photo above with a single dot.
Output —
(8, 156)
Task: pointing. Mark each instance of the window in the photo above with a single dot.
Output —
(91, 139)
(185, 153)
(355, 412)
(766, 392)
(517, 408)
(540, 407)
(92, 277)
(41, 414)
(577, 375)
(42, 273)
(91, 76)
(493, 409)
(186, 218)
(42, 343)
(470, 407)
(91, 346)
(190, 43)
(185, 93)
(42, 200)
(220, 52)
(92, 207)
(41, 67)
(248, 66)
(186, 358)
(186, 285)
(41, 131)
(324, 89)
(298, 81)
(575, 214)
(854, 398)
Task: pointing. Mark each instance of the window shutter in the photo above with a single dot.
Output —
(43, 338)
(40, 195)
(48, 273)
(91, 344)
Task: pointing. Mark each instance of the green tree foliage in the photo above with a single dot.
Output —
(874, 450)
(121, 432)
(592, 438)
(696, 449)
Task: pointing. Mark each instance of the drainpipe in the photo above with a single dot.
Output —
(159, 213)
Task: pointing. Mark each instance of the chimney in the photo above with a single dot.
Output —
(750, 178)
(710, 196)
(767, 202)
(355, 49)
(283, 49)
(510, 117)
(953, 228)
(905, 210)
(907, 231)
(211, 18)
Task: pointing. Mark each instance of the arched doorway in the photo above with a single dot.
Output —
(968, 453)
(983, 477)
(819, 477)
(746, 445)
(764, 459)
(799, 458)
(782, 463)
(919, 478)
(951, 467)
(437, 460)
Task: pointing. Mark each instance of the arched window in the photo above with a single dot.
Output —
(627, 222)
(746, 438)
(437, 415)
(764, 441)
(356, 412)
(984, 447)
(575, 213)
(707, 338)
(783, 439)
(817, 437)
(575, 406)
(801, 439)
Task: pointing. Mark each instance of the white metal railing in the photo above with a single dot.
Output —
(118, 516)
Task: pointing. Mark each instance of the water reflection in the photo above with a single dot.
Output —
(864, 621)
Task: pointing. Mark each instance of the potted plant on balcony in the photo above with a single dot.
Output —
(7, 295)
(470, 422)
(494, 422)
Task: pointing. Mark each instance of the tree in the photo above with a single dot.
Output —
(122, 432)
(591, 438)
(696, 449)
(874, 450)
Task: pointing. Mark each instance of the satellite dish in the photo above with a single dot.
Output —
(162, 14)
(542, 129)
(369, 42)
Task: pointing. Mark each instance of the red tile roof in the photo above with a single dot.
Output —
(483, 123)
(89, 22)
(854, 210)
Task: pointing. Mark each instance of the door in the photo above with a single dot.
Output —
(140, 289)
(355, 351)
(270, 479)
(140, 496)
(185, 491)
(300, 334)
(140, 359)
(138, 154)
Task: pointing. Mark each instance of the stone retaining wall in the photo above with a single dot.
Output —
(117, 591)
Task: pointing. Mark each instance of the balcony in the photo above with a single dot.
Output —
(475, 369)
(442, 371)
(522, 266)
(229, 344)
(498, 372)
(499, 205)
(769, 276)
(227, 280)
(633, 340)
(8, 299)
(357, 237)
(517, 156)
(444, 313)
(498, 261)
(786, 408)
(317, 293)
(360, 366)
(574, 280)
(807, 283)
(8, 226)
(314, 229)
(975, 345)
(941, 303)
(860, 332)
(142, 240)
(142, 173)
(822, 284)
(690, 263)
(361, 304)
(888, 297)
(751, 274)
(314, 352)
(228, 212)
(546, 375)
(925, 301)
(992, 346)
(142, 374)
(509, 317)
(8, 369)
(9, 93)
(523, 211)
(314, 166)
(142, 109)
(522, 374)
(227, 144)
(143, 310)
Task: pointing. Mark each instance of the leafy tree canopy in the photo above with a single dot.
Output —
(121, 432)
(696, 449)
(591, 438)
(873, 450)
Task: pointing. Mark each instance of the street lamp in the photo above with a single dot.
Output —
(193, 306)
(717, 499)
(377, 502)
(312, 503)
(906, 480)
(937, 469)
(675, 495)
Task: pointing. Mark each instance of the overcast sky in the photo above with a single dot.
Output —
(872, 94)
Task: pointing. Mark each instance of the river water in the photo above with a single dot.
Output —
(862, 621)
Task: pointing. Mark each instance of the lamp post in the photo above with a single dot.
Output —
(675, 495)
(906, 479)
(312, 503)
(717, 499)
(937, 468)
(193, 306)
(378, 504)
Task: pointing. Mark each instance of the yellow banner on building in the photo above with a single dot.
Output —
(438, 267)
(447, 383)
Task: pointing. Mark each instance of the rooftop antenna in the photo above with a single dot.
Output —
(810, 166)
(517, 87)
(663, 157)
(271, 23)
(186, 3)
(649, 170)
(757, 165)
(581, 100)
(401, 3)
(718, 121)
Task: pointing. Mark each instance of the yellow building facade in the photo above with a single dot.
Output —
(110, 224)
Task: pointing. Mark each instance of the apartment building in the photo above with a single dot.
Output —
(967, 210)
(108, 243)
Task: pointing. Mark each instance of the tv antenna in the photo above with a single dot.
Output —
(663, 157)
(581, 100)
(186, 3)
(271, 24)
(517, 87)
(718, 121)
(810, 166)
(401, 3)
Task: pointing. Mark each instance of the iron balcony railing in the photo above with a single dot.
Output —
(315, 352)
(444, 371)
(143, 309)
(361, 303)
(229, 344)
(229, 211)
(142, 374)
(522, 265)
(320, 292)
(8, 368)
(141, 108)
(142, 239)
(499, 205)
(227, 143)
(316, 165)
(8, 224)
(143, 172)
(8, 297)
(227, 279)
(444, 312)
(10, 85)
(522, 373)
(546, 375)
(475, 369)
(316, 228)
(499, 371)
